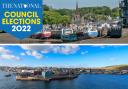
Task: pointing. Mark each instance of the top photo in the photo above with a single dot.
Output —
(77, 22)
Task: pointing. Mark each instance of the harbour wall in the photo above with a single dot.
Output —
(125, 32)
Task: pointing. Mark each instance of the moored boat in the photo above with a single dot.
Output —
(8, 75)
(115, 30)
(47, 34)
(68, 35)
(92, 32)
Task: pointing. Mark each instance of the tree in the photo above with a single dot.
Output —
(115, 12)
(63, 16)
(51, 17)
(65, 12)
(46, 8)
(65, 19)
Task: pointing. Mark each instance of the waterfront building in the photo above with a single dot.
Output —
(124, 12)
(25, 74)
(29, 71)
(47, 74)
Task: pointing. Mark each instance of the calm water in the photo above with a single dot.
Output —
(82, 82)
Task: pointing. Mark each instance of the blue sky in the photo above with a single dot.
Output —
(82, 3)
(63, 56)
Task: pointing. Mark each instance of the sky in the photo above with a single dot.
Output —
(71, 4)
(63, 55)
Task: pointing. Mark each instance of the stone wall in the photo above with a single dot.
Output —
(125, 32)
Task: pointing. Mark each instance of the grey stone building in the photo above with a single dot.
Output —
(76, 17)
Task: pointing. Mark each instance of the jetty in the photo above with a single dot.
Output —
(45, 79)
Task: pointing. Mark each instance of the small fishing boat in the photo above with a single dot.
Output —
(47, 34)
(92, 32)
(68, 35)
(8, 75)
(56, 34)
(116, 30)
(36, 35)
(85, 31)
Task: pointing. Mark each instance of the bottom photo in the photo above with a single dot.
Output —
(63, 67)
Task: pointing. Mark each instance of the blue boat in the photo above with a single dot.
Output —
(92, 32)
(68, 35)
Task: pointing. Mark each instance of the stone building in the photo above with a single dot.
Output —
(76, 17)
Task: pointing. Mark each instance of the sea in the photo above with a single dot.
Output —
(83, 81)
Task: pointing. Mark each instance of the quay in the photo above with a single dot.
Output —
(46, 79)
(32, 78)
(45, 75)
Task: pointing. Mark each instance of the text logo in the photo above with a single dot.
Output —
(21, 18)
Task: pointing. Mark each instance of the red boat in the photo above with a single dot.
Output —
(47, 34)
(37, 35)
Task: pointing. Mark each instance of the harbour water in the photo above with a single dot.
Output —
(84, 81)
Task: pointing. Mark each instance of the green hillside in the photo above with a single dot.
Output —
(117, 67)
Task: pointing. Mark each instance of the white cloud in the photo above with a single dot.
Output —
(69, 49)
(34, 54)
(83, 53)
(4, 51)
(28, 53)
(45, 51)
(55, 49)
(9, 57)
(22, 54)
(6, 54)
(34, 47)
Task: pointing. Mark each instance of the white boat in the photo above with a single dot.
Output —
(67, 31)
(92, 32)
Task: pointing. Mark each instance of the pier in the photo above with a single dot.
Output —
(46, 79)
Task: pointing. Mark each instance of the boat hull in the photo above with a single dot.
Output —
(71, 37)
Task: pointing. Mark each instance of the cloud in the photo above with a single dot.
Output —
(34, 47)
(84, 52)
(54, 49)
(35, 54)
(9, 57)
(4, 51)
(68, 49)
(45, 51)
(38, 51)
(22, 54)
(28, 53)
(6, 54)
